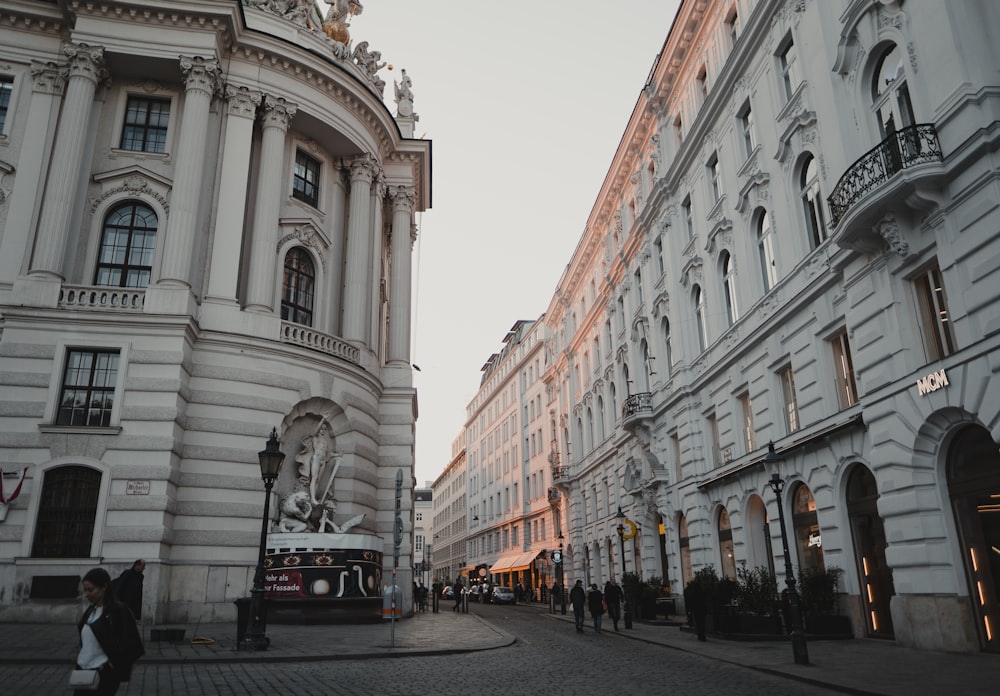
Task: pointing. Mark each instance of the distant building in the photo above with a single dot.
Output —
(450, 523)
(206, 220)
(423, 534)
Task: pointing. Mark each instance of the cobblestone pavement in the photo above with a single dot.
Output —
(498, 650)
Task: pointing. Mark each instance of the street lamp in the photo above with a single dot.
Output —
(621, 537)
(771, 462)
(270, 458)
(562, 573)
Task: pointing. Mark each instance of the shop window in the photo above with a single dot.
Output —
(807, 532)
(727, 553)
(128, 243)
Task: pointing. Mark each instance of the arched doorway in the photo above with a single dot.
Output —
(868, 536)
(805, 522)
(727, 552)
(974, 487)
(759, 537)
(684, 542)
(661, 545)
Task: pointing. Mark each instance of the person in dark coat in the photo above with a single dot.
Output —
(595, 602)
(613, 598)
(128, 588)
(458, 589)
(109, 640)
(697, 603)
(578, 598)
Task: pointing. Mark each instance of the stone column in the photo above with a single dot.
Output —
(267, 205)
(47, 86)
(402, 198)
(85, 70)
(229, 216)
(201, 82)
(357, 265)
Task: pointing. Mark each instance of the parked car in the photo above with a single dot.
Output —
(503, 595)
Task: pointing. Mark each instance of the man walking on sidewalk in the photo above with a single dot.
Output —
(578, 598)
(613, 598)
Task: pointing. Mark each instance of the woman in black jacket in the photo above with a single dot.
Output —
(109, 639)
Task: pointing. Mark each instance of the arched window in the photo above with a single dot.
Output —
(647, 362)
(698, 298)
(812, 201)
(729, 287)
(600, 418)
(890, 95)
(765, 246)
(66, 513)
(807, 531)
(298, 287)
(684, 543)
(590, 429)
(612, 392)
(128, 242)
(727, 555)
(667, 349)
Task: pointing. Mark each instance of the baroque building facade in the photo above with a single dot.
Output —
(206, 223)
(795, 246)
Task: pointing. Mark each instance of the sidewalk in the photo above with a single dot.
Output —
(858, 666)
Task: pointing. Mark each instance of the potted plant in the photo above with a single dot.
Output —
(757, 600)
(820, 602)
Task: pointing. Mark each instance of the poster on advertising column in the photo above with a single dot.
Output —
(318, 566)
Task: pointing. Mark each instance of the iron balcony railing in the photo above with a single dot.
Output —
(903, 149)
(637, 403)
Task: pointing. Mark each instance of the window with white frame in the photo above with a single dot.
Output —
(698, 298)
(713, 434)
(787, 378)
(890, 94)
(729, 286)
(714, 176)
(749, 432)
(933, 316)
(6, 90)
(686, 214)
(745, 116)
(847, 390)
(128, 243)
(789, 66)
(667, 350)
(305, 179)
(658, 247)
(145, 126)
(812, 201)
(765, 249)
(88, 387)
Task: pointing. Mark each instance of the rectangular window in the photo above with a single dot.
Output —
(6, 89)
(746, 126)
(305, 183)
(638, 284)
(934, 320)
(658, 245)
(88, 388)
(847, 390)
(791, 404)
(788, 62)
(145, 127)
(418, 542)
(749, 434)
(686, 213)
(733, 26)
(713, 433)
(715, 176)
(675, 443)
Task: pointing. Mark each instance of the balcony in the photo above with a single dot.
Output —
(898, 172)
(312, 339)
(101, 298)
(637, 409)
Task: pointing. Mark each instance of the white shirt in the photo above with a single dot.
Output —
(91, 655)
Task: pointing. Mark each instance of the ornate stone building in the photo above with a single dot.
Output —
(795, 244)
(206, 224)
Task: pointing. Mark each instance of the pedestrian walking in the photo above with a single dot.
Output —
(109, 640)
(578, 598)
(595, 602)
(457, 591)
(613, 600)
(128, 587)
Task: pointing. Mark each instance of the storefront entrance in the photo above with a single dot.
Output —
(974, 487)
(868, 535)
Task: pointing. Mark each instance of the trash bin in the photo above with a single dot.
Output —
(243, 616)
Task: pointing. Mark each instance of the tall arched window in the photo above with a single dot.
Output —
(812, 201)
(727, 552)
(128, 242)
(807, 532)
(890, 94)
(600, 418)
(765, 247)
(647, 364)
(698, 297)
(66, 513)
(298, 287)
(590, 429)
(729, 287)
(612, 392)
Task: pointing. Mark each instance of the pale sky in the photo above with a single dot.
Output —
(525, 104)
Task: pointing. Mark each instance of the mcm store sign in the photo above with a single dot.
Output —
(932, 382)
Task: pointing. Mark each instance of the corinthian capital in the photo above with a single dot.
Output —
(242, 101)
(402, 197)
(201, 74)
(364, 168)
(278, 112)
(85, 61)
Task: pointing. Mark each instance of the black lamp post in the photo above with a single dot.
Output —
(799, 649)
(562, 573)
(621, 537)
(270, 458)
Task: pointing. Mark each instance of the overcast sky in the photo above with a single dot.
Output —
(525, 104)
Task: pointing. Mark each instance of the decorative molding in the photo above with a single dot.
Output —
(134, 181)
(47, 78)
(242, 101)
(692, 273)
(201, 75)
(802, 120)
(888, 229)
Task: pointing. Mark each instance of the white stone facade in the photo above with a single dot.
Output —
(796, 243)
(214, 209)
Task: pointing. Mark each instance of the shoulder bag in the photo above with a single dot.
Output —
(84, 679)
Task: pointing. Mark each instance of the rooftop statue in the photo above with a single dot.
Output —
(404, 95)
(338, 19)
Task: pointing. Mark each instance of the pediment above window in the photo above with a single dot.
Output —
(305, 233)
(755, 188)
(134, 181)
(800, 121)
(661, 305)
(691, 273)
(720, 236)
